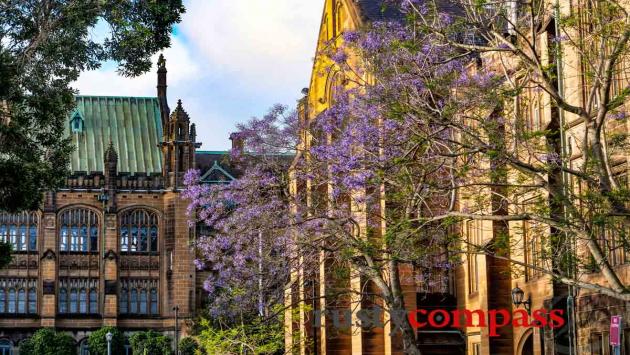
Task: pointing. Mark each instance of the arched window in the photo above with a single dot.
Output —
(143, 301)
(3, 300)
(74, 300)
(21, 308)
(78, 231)
(20, 230)
(334, 87)
(84, 348)
(22, 244)
(83, 296)
(340, 18)
(138, 231)
(154, 301)
(5, 347)
(32, 300)
(83, 307)
(138, 296)
(123, 302)
(12, 301)
(134, 301)
(63, 301)
(93, 301)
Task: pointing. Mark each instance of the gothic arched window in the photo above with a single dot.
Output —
(32, 300)
(21, 301)
(84, 348)
(16, 295)
(138, 297)
(74, 300)
(63, 301)
(83, 296)
(20, 230)
(143, 301)
(134, 301)
(123, 302)
(154, 301)
(83, 307)
(340, 17)
(78, 230)
(138, 231)
(5, 347)
(12, 301)
(93, 301)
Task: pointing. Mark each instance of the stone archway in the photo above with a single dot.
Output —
(526, 345)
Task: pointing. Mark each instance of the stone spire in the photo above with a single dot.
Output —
(161, 90)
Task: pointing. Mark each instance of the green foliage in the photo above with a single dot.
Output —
(5, 254)
(255, 337)
(45, 46)
(189, 346)
(150, 342)
(46, 341)
(98, 342)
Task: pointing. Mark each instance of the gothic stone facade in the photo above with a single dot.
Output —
(113, 247)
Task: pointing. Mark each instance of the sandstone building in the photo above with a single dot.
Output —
(113, 246)
(480, 281)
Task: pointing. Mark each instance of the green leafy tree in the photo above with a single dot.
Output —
(98, 342)
(46, 341)
(150, 342)
(5, 254)
(189, 346)
(44, 46)
(258, 336)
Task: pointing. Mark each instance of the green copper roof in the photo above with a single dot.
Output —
(132, 124)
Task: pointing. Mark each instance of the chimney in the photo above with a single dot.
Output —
(161, 90)
(238, 143)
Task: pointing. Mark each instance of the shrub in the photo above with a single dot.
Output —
(189, 346)
(46, 341)
(150, 342)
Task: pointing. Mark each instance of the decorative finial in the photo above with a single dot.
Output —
(161, 62)
(110, 153)
(179, 103)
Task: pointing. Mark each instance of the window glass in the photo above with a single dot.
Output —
(32, 300)
(83, 301)
(123, 301)
(74, 300)
(134, 301)
(21, 308)
(63, 301)
(93, 301)
(12, 306)
(154, 301)
(78, 231)
(143, 301)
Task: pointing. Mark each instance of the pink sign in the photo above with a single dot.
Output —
(615, 330)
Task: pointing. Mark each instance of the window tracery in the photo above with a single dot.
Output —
(78, 296)
(18, 295)
(138, 231)
(79, 230)
(138, 297)
(20, 230)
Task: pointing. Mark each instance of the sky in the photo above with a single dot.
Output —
(229, 60)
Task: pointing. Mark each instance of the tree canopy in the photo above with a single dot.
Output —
(44, 46)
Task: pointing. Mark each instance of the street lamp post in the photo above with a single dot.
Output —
(109, 337)
(176, 309)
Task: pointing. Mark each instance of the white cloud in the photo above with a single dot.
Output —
(107, 82)
(267, 44)
(230, 60)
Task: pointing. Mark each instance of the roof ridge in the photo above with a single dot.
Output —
(116, 97)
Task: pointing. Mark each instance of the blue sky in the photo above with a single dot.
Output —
(230, 60)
